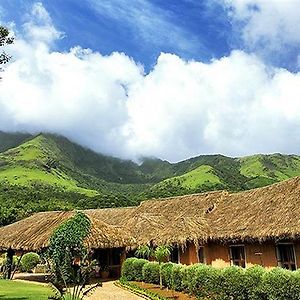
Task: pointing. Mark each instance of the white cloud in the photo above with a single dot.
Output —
(235, 105)
(272, 24)
(39, 27)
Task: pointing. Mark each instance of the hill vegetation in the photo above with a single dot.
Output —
(49, 172)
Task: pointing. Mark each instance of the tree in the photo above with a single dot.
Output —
(5, 39)
(144, 252)
(69, 261)
(162, 254)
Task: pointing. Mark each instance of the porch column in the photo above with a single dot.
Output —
(9, 262)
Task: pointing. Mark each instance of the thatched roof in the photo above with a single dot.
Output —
(33, 233)
(173, 220)
(114, 216)
(271, 212)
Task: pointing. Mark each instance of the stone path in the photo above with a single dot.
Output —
(111, 292)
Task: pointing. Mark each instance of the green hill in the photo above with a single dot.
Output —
(213, 172)
(49, 172)
(11, 140)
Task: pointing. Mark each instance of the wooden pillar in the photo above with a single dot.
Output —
(9, 262)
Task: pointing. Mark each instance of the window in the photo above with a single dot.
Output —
(286, 256)
(201, 257)
(237, 255)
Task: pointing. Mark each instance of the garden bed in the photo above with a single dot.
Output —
(168, 294)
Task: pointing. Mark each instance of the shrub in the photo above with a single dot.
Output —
(187, 275)
(132, 269)
(166, 271)
(205, 281)
(138, 268)
(233, 283)
(151, 272)
(281, 284)
(177, 276)
(29, 261)
(253, 280)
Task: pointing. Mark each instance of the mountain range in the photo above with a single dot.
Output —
(49, 172)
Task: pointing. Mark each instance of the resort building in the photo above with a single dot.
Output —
(255, 227)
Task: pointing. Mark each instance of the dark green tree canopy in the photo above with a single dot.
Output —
(5, 39)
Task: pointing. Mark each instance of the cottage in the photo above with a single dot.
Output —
(107, 242)
(259, 226)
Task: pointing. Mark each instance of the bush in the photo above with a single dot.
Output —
(166, 272)
(29, 261)
(177, 276)
(132, 269)
(233, 283)
(253, 280)
(281, 284)
(151, 272)
(187, 275)
(205, 281)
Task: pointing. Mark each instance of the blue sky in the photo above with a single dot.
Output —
(165, 78)
(192, 29)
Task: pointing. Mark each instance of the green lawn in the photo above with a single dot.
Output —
(195, 178)
(17, 290)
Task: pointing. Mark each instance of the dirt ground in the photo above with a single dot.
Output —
(165, 293)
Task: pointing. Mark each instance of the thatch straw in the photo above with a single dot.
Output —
(272, 212)
(174, 220)
(103, 235)
(33, 233)
(260, 214)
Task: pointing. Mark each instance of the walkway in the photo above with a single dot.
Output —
(111, 292)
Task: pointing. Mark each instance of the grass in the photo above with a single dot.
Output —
(17, 290)
(25, 165)
(195, 178)
(27, 176)
(270, 168)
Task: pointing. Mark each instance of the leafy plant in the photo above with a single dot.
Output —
(151, 272)
(144, 252)
(71, 266)
(29, 261)
(162, 254)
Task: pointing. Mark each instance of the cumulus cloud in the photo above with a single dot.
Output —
(235, 105)
(270, 26)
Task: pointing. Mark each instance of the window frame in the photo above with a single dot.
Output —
(279, 262)
(231, 256)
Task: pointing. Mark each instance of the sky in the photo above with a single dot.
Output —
(162, 78)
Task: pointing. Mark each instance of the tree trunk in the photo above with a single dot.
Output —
(160, 277)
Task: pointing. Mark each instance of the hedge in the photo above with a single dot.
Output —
(207, 282)
(132, 269)
(151, 272)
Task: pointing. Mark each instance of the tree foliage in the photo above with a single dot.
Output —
(5, 39)
(69, 259)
